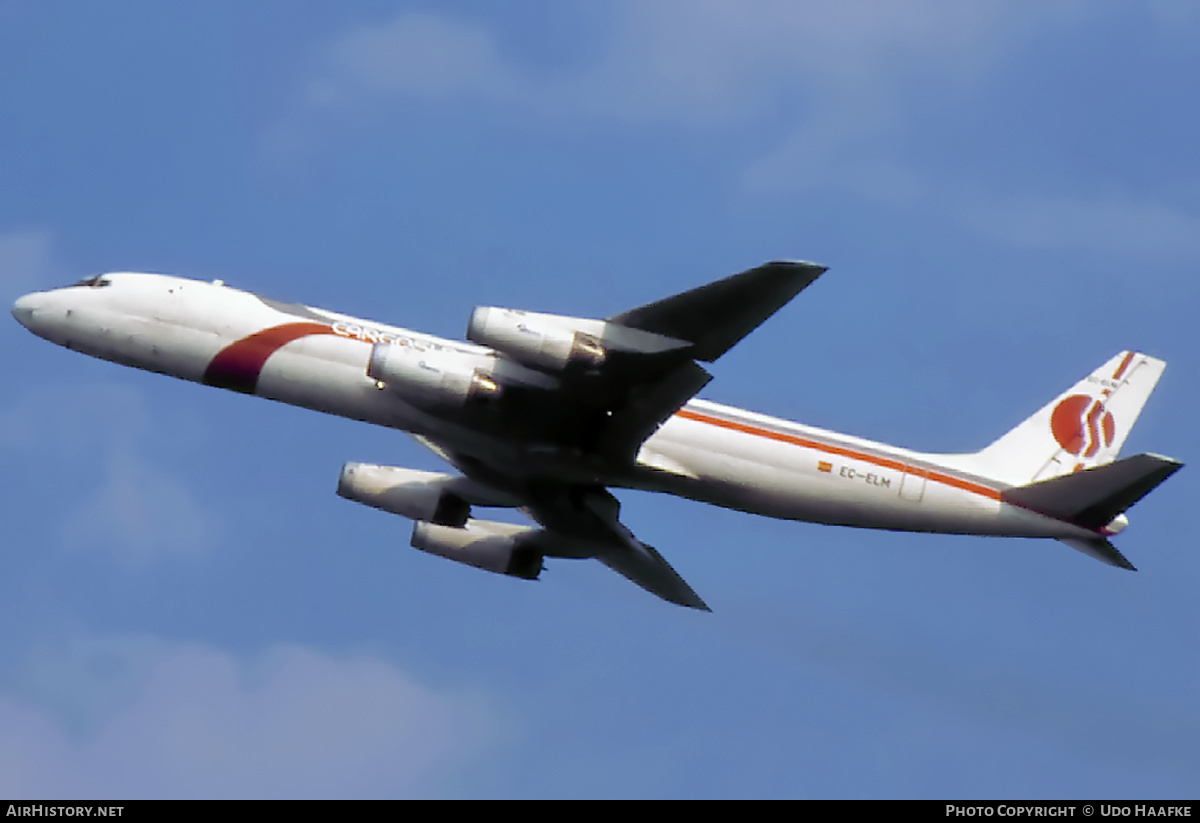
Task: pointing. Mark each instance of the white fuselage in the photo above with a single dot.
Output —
(207, 332)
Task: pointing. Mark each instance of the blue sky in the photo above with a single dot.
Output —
(1007, 195)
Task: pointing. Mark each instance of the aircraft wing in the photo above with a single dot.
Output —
(578, 521)
(637, 369)
(583, 523)
(644, 566)
(711, 318)
(716, 316)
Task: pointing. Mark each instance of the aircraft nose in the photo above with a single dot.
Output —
(24, 309)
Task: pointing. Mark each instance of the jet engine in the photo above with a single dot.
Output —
(414, 494)
(430, 377)
(502, 548)
(443, 378)
(545, 341)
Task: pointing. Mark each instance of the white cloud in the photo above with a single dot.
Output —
(195, 723)
(1124, 227)
(138, 511)
(25, 262)
(839, 151)
(415, 53)
(830, 79)
(715, 56)
(700, 60)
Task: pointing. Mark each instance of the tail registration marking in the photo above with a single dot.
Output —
(870, 478)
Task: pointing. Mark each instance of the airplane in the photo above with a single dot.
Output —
(545, 413)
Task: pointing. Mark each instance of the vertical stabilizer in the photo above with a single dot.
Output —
(1081, 428)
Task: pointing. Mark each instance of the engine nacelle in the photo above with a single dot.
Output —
(545, 341)
(418, 495)
(502, 548)
(431, 377)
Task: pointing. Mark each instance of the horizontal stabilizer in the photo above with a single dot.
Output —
(716, 316)
(1093, 497)
(1100, 549)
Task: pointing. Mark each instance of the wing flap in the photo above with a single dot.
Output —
(648, 405)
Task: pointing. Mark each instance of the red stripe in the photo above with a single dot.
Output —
(1124, 365)
(883, 462)
(1093, 429)
(238, 365)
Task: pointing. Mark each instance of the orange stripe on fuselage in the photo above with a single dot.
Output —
(841, 451)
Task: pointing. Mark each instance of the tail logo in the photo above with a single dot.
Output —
(1082, 425)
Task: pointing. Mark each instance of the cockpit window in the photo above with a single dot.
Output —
(96, 281)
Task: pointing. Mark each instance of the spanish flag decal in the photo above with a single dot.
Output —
(822, 466)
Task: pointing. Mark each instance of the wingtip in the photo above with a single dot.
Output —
(1175, 465)
(807, 265)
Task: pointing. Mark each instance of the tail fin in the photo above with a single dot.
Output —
(1081, 428)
